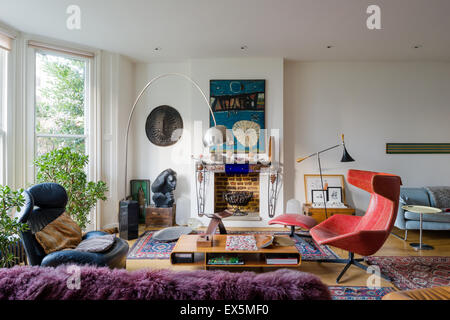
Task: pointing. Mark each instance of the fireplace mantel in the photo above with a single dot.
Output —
(205, 176)
(261, 168)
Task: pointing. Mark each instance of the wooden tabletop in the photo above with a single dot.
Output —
(188, 243)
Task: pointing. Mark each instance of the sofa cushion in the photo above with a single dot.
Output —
(436, 217)
(96, 244)
(416, 196)
(61, 233)
(439, 196)
(426, 225)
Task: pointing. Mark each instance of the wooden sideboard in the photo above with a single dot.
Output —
(319, 213)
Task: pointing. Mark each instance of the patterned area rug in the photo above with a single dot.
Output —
(147, 248)
(358, 293)
(414, 272)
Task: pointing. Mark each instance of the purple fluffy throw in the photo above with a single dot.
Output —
(26, 282)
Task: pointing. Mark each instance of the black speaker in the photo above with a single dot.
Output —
(129, 219)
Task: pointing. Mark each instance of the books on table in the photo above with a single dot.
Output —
(281, 259)
(243, 243)
(225, 260)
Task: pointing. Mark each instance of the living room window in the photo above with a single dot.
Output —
(61, 102)
(62, 107)
(3, 106)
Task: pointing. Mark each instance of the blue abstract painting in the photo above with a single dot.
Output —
(240, 104)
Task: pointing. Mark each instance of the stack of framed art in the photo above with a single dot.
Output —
(333, 193)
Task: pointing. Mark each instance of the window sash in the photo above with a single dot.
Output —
(3, 106)
(58, 49)
(68, 54)
(3, 88)
(93, 122)
(54, 135)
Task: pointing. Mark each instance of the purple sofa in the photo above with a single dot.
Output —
(29, 283)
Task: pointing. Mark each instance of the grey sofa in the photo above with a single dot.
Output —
(430, 196)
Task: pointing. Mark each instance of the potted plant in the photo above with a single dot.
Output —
(67, 168)
(9, 227)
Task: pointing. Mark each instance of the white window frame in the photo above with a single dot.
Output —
(92, 116)
(87, 103)
(3, 115)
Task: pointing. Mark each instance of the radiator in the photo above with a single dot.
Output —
(18, 252)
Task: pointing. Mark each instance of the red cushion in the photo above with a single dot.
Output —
(294, 219)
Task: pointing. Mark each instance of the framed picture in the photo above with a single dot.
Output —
(318, 196)
(312, 182)
(240, 105)
(335, 194)
(136, 194)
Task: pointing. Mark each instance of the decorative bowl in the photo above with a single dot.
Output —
(238, 198)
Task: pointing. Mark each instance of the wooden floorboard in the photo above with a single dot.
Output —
(328, 272)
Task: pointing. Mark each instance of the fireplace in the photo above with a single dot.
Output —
(236, 182)
(213, 180)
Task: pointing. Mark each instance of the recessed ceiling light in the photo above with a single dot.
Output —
(417, 46)
(244, 47)
(157, 49)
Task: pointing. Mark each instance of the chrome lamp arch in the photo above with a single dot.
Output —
(213, 136)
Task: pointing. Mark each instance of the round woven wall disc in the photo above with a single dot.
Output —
(164, 126)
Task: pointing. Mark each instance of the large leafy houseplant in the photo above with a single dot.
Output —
(9, 227)
(67, 168)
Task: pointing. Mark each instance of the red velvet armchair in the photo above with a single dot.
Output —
(363, 235)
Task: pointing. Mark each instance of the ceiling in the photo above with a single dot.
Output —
(292, 29)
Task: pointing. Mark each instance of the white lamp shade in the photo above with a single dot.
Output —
(183, 211)
(216, 136)
(293, 206)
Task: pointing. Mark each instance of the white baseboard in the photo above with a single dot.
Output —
(111, 225)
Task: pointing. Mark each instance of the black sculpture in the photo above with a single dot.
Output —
(163, 187)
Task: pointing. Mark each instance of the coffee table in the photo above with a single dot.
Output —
(421, 210)
(187, 244)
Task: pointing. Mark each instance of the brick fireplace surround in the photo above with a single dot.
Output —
(236, 182)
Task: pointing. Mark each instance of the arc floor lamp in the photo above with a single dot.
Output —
(345, 158)
(213, 136)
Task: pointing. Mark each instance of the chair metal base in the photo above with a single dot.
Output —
(296, 236)
(421, 246)
(350, 261)
(400, 237)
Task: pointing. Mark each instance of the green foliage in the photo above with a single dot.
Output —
(60, 108)
(67, 168)
(9, 227)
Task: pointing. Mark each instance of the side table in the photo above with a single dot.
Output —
(319, 213)
(421, 210)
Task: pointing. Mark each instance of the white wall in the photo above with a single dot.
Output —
(148, 160)
(117, 88)
(372, 103)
